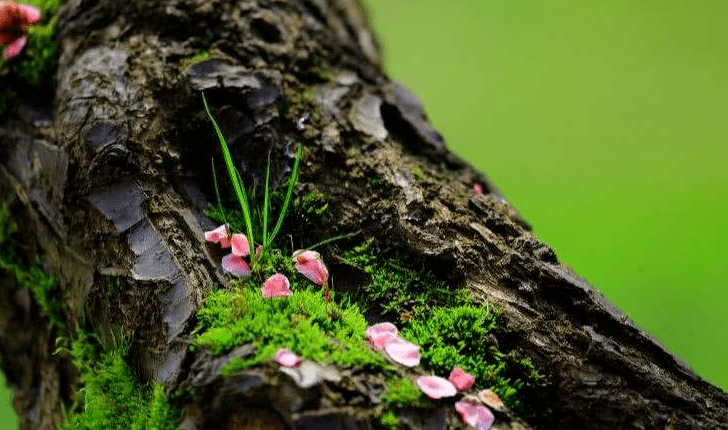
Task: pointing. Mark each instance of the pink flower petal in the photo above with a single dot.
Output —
(403, 352)
(30, 14)
(240, 245)
(475, 414)
(236, 265)
(436, 387)
(219, 235)
(276, 286)
(491, 399)
(461, 380)
(310, 265)
(286, 358)
(379, 334)
(477, 189)
(13, 48)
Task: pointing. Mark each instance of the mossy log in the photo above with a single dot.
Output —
(108, 177)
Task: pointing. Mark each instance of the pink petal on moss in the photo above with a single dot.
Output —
(13, 48)
(461, 380)
(276, 286)
(240, 245)
(477, 189)
(236, 265)
(379, 334)
(403, 352)
(310, 265)
(475, 414)
(286, 358)
(219, 235)
(436, 387)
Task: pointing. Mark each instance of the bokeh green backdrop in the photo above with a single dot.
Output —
(604, 123)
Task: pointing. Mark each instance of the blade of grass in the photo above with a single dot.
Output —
(217, 193)
(266, 203)
(333, 239)
(292, 180)
(234, 178)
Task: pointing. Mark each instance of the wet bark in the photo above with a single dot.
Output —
(109, 176)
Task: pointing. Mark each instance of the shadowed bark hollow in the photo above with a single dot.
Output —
(110, 174)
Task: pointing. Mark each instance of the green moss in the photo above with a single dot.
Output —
(304, 322)
(459, 336)
(402, 393)
(418, 172)
(201, 55)
(449, 327)
(398, 291)
(29, 274)
(389, 420)
(112, 396)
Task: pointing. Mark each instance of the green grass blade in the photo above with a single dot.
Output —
(266, 203)
(333, 239)
(292, 180)
(234, 177)
(217, 192)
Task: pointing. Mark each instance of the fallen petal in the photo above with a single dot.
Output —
(475, 414)
(491, 399)
(436, 387)
(13, 48)
(219, 235)
(236, 265)
(403, 352)
(461, 380)
(310, 265)
(276, 286)
(286, 358)
(240, 245)
(379, 334)
(477, 189)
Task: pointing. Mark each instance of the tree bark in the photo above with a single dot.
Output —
(110, 188)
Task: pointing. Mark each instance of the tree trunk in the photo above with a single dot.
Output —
(108, 192)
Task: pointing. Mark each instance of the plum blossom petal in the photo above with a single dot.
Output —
(236, 265)
(240, 245)
(13, 48)
(286, 358)
(219, 235)
(491, 399)
(309, 264)
(461, 380)
(379, 334)
(475, 414)
(403, 352)
(276, 286)
(436, 387)
(477, 189)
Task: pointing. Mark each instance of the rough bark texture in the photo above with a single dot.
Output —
(110, 187)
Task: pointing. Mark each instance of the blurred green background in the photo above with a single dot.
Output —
(604, 123)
